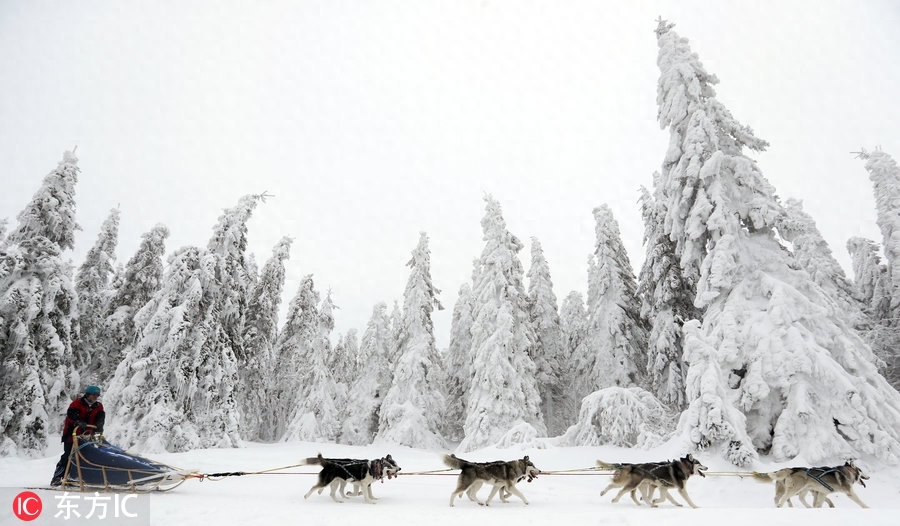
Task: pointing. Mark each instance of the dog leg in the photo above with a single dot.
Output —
(367, 493)
(611, 486)
(315, 486)
(334, 487)
(515, 491)
(663, 495)
(472, 492)
(493, 492)
(634, 496)
(623, 491)
(686, 497)
(855, 499)
(673, 501)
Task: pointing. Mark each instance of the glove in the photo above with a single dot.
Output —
(80, 426)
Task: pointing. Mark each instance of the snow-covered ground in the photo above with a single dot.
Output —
(574, 499)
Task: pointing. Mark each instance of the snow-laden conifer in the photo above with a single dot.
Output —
(396, 333)
(140, 280)
(667, 299)
(773, 366)
(92, 283)
(256, 365)
(503, 392)
(812, 254)
(293, 354)
(414, 405)
(615, 350)
(175, 388)
(619, 416)
(870, 280)
(458, 361)
(344, 359)
(368, 389)
(885, 176)
(548, 350)
(37, 309)
(316, 410)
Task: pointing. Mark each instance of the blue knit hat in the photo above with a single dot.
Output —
(92, 390)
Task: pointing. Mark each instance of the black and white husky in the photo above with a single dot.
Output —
(337, 472)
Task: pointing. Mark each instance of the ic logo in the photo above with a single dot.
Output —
(27, 506)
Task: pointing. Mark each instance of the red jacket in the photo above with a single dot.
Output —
(81, 411)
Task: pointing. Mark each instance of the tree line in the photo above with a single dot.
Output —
(740, 333)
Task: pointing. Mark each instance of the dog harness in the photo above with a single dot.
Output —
(817, 474)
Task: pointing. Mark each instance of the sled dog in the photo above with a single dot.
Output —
(337, 472)
(503, 475)
(820, 481)
(647, 477)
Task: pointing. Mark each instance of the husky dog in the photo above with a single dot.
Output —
(336, 472)
(649, 476)
(819, 481)
(502, 474)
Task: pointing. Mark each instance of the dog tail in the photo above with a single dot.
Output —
(763, 477)
(607, 465)
(317, 460)
(453, 462)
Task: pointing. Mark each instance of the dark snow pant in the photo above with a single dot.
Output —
(63, 460)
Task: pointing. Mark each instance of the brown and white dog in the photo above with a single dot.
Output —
(820, 481)
(503, 475)
(646, 477)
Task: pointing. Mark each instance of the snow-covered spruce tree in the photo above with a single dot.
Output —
(414, 405)
(141, 279)
(870, 282)
(37, 309)
(344, 358)
(615, 350)
(503, 393)
(368, 390)
(3, 223)
(872, 289)
(773, 366)
(92, 283)
(548, 350)
(812, 254)
(885, 176)
(256, 364)
(315, 413)
(175, 388)
(573, 321)
(293, 348)
(458, 360)
(396, 331)
(667, 299)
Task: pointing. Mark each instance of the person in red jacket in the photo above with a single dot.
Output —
(85, 416)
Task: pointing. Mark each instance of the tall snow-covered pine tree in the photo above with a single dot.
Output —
(37, 309)
(503, 393)
(414, 406)
(773, 366)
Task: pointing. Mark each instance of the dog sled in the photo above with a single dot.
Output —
(95, 464)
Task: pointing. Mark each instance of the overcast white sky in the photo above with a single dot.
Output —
(372, 121)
